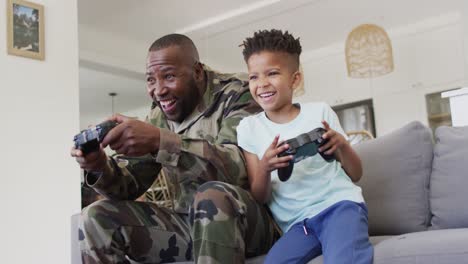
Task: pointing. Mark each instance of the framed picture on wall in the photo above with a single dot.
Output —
(25, 29)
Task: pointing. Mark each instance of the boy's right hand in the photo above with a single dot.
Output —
(270, 160)
(92, 162)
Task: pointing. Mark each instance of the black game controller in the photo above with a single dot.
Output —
(88, 140)
(303, 146)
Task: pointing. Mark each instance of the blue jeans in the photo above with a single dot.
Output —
(340, 233)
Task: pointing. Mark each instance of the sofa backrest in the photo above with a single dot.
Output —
(395, 182)
(449, 179)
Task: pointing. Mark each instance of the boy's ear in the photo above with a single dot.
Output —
(297, 79)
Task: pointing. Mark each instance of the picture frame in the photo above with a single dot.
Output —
(25, 29)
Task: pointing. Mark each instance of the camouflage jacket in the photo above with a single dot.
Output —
(202, 148)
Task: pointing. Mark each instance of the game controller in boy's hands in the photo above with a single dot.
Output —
(303, 146)
(88, 140)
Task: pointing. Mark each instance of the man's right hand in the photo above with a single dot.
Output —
(92, 162)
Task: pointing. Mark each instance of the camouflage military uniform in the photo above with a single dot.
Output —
(214, 220)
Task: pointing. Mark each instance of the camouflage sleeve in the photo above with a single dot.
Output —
(221, 160)
(125, 178)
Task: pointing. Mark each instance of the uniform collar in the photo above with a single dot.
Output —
(214, 85)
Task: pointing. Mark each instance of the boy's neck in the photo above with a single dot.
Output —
(284, 115)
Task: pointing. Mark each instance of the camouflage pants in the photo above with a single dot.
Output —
(225, 225)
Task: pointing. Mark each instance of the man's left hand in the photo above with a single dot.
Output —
(132, 137)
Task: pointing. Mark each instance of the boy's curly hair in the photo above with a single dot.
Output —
(272, 40)
(275, 40)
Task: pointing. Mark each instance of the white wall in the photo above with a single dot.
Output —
(140, 113)
(95, 86)
(465, 33)
(111, 49)
(40, 183)
(428, 57)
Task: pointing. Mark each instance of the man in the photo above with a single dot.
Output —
(191, 134)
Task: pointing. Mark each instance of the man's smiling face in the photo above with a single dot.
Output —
(171, 82)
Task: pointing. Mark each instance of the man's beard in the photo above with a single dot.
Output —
(186, 104)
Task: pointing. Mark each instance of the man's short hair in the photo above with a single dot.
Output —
(175, 40)
(272, 40)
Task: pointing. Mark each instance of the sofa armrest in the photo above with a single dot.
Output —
(75, 247)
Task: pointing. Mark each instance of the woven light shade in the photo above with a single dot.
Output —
(368, 52)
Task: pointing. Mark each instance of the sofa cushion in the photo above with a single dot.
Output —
(395, 181)
(449, 179)
(439, 246)
(319, 260)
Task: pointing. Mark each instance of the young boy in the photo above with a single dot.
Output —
(319, 208)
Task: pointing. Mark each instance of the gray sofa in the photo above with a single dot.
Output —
(417, 195)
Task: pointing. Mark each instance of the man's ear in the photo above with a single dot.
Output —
(198, 71)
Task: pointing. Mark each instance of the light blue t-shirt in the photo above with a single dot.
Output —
(315, 184)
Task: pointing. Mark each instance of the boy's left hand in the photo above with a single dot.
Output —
(335, 140)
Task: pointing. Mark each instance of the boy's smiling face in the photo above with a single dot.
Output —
(273, 75)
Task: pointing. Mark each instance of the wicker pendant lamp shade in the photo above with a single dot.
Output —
(368, 52)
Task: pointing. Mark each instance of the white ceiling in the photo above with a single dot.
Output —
(144, 20)
(115, 34)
